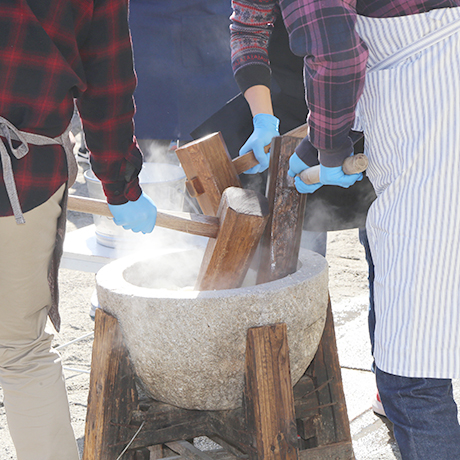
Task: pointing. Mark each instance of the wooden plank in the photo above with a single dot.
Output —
(179, 431)
(228, 447)
(306, 399)
(142, 454)
(243, 215)
(337, 451)
(156, 452)
(304, 387)
(218, 454)
(188, 450)
(269, 399)
(222, 454)
(172, 457)
(164, 423)
(325, 367)
(281, 240)
(279, 253)
(112, 392)
(232, 427)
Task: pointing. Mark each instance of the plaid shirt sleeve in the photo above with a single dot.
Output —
(106, 105)
(335, 64)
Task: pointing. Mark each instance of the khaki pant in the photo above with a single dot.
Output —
(31, 374)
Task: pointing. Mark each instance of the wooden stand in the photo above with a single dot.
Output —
(276, 421)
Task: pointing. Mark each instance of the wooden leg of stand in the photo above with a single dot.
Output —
(269, 399)
(112, 391)
(333, 433)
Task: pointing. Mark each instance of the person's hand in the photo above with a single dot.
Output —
(265, 128)
(296, 166)
(138, 216)
(336, 176)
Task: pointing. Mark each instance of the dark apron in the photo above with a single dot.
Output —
(182, 61)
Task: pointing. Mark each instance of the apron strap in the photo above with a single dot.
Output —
(431, 39)
(10, 132)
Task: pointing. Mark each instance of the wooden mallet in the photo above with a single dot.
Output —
(210, 169)
(243, 215)
(233, 235)
(195, 224)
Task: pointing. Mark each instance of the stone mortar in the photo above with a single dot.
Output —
(188, 347)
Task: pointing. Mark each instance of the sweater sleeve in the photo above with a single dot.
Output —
(252, 23)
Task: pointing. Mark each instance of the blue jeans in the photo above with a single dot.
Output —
(424, 415)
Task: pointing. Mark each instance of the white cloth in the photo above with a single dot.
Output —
(409, 113)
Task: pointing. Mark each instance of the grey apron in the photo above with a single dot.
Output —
(10, 132)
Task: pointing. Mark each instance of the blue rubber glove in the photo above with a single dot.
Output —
(336, 176)
(296, 166)
(138, 216)
(265, 128)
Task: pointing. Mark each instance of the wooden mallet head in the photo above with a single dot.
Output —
(209, 170)
(243, 215)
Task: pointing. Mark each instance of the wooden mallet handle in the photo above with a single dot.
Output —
(248, 160)
(351, 165)
(195, 224)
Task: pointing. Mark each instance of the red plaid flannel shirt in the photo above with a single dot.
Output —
(51, 52)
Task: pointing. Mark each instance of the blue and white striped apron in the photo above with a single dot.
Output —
(410, 115)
